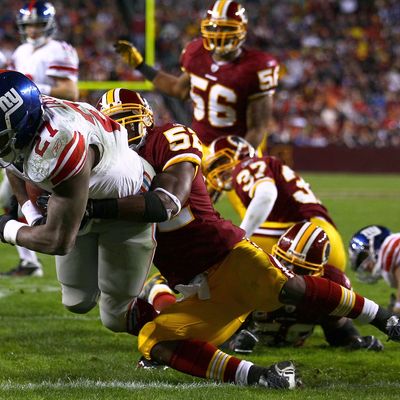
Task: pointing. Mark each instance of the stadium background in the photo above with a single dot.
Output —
(339, 89)
(340, 66)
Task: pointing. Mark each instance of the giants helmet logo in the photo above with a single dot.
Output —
(9, 103)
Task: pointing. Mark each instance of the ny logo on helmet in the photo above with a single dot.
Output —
(10, 102)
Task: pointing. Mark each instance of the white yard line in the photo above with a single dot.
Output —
(91, 384)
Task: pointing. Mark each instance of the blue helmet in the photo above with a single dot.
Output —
(363, 251)
(34, 13)
(20, 114)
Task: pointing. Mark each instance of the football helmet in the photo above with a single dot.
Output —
(129, 109)
(363, 252)
(304, 248)
(20, 114)
(225, 153)
(40, 13)
(224, 28)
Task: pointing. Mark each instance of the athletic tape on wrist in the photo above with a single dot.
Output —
(31, 213)
(11, 230)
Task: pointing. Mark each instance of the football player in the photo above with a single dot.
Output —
(290, 325)
(231, 86)
(374, 253)
(273, 195)
(72, 151)
(53, 66)
(221, 275)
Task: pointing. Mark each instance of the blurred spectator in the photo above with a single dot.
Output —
(340, 58)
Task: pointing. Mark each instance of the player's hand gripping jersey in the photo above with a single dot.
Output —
(221, 91)
(183, 243)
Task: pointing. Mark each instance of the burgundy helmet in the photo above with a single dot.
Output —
(305, 246)
(224, 27)
(129, 109)
(224, 154)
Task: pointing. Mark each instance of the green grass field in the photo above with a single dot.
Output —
(48, 353)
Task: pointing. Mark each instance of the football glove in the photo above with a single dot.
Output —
(12, 213)
(366, 342)
(129, 53)
(3, 220)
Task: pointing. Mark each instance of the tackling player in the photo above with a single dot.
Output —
(73, 151)
(273, 195)
(374, 253)
(53, 66)
(222, 276)
(231, 86)
(290, 325)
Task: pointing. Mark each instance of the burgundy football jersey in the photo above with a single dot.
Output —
(221, 91)
(291, 325)
(295, 202)
(197, 237)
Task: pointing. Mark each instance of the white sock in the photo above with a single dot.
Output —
(27, 255)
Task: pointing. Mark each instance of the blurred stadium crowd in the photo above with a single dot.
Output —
(340, 59)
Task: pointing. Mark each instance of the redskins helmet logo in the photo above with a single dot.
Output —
(304, 245)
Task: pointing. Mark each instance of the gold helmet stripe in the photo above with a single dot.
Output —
(301, 238)
(220, 8)
(110, 96)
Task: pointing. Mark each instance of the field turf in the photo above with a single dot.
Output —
(47, 352)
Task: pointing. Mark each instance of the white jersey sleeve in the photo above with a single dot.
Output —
(389, 258)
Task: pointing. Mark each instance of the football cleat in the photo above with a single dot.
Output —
(281, 375)
(144, 363)
(25, 268)
(393, 328)
(243, 342)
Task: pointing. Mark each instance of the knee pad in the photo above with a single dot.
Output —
(78, 301)
(81, 307)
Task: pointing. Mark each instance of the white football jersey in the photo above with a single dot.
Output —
(389, 258)
(3, 60)
(61, 146)
(53, 59)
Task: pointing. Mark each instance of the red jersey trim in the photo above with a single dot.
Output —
(71, 160)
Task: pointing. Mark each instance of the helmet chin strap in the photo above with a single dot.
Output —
(40, 41)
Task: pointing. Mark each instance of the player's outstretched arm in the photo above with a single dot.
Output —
(166, 83)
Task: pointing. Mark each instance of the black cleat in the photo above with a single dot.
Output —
(24, 268)
(281, 375)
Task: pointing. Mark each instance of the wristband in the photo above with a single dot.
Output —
(30, 212)
(147, 71)
(173, 198)
(11, 229)
(397, 304)
(44, 89)
(103, 209)
(154, 208)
